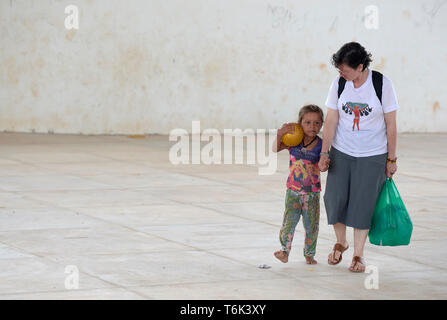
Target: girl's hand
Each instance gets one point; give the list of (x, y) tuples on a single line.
[(324, 163), (286, 128), (391, 169)]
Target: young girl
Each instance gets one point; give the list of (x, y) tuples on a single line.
[(303, 184)]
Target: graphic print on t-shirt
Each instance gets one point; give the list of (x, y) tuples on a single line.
[(358, 109)]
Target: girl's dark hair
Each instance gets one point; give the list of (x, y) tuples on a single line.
[(352, 54), (310, 108)]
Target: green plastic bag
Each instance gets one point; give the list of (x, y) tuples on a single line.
[(391, 224)]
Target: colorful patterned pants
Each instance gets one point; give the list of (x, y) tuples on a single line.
[(297, 205)]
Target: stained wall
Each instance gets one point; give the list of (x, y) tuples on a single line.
[(140, 66)]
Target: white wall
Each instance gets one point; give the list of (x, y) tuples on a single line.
[(149, 66)]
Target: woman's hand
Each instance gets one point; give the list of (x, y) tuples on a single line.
[(324, 163), (391, 169)]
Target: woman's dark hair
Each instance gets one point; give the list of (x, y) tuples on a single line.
[(352, 54)]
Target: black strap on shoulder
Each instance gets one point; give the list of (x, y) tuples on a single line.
[(341, 86), (377, 79)]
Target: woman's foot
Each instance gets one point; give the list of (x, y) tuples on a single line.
[(282, 256), (336, 255), (311, 260), (357, 265)]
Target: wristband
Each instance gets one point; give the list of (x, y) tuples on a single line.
[(324, 154), (389, 160)]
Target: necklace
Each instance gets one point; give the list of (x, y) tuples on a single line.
[(306, 145)]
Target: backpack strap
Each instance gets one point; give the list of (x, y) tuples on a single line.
[(341, 86), (377, 79)]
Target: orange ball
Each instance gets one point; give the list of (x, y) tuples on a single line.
[(295, 138)]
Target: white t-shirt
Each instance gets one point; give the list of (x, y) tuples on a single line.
[(361, 129)]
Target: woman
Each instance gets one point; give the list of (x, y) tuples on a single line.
[(360, 127)]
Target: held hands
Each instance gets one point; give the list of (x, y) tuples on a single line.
[(324, 163), (391, 169)]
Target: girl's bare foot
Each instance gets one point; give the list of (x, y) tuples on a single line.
[(311, 260), (282, 256)]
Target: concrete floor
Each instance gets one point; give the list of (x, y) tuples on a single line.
[(138, 227)]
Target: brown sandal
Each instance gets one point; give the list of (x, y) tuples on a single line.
[(356, 260), (337, 247)]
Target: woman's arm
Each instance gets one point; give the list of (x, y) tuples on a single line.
[(391, 133), (328, 135)]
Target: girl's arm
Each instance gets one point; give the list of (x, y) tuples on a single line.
[(328, 135), (277, 144), (391, 133)]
